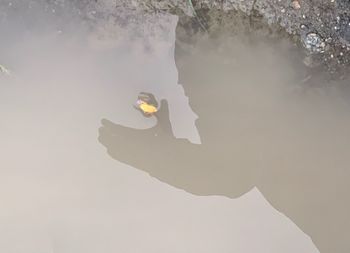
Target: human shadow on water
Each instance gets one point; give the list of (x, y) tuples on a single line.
[(253, 135)]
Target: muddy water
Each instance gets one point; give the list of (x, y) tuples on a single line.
[(61, 192), (261, 125)]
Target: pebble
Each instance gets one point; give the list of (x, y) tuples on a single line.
[(296, 5), (314, 43)]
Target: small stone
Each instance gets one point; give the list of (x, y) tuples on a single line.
[(283, 10), (296, 5), (314, 43)]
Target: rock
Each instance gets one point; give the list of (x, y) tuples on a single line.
[(314, 43), (296, 5)]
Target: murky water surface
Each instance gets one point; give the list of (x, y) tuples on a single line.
[(276, 147), (261, 126)]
